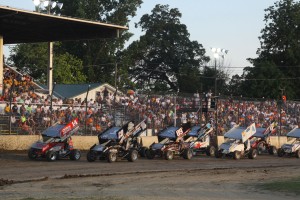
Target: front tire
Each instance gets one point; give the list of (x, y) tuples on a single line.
[(150, 154), (91, 157), (280, 152), (133, 155), (187, 154), (272, 150), (111, 157), (298, 154), (75, 154), (237, 155), (210, 151), (51, 156), (32, 154), (252, 154), (169, 155), (218, 154)]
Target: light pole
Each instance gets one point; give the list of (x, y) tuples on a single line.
[(218, 52), (47, 6)]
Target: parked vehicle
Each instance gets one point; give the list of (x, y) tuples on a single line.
[(117, 143), (261, 140), (237, 144), (202, 143), (57, 143), (292, 149), (168, 148)]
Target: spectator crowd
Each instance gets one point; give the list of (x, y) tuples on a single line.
[(32, 113)]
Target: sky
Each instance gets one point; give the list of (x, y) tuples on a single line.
[(234, 25)]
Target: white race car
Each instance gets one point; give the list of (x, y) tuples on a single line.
[(237, 143)]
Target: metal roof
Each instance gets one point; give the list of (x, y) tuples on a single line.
[(20, 26)]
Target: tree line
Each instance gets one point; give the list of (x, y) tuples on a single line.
[(164, 58)]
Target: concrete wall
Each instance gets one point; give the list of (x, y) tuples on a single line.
[(23, 142)]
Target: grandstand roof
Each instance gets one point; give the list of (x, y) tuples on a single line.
[(20, 26), (72, 90)]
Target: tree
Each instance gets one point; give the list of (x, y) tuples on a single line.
[(32, 60), (279, 54), (98, 57), (164, 57)]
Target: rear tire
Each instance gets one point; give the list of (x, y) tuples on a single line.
[(169, 155), (32, 154), (51, 156), (272, 150), (91, 156), (75, 154), (187, 154), (111, 157), (237, 155), (142, 151), (133, 155), (150, 154), (210, 151), (252, 154), (280, 152)]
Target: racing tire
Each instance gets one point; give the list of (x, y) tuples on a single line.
[(260, 148), (272, 150), (252, 154), (237, 155), (51, 156), (150, 154), (142, 152), (218, 154), (111, 157), (298, 154), (169, 155), (90, 156), (280, 152), (132, 155), (75, 154), (187, 154), (210, 151), (32, 155)]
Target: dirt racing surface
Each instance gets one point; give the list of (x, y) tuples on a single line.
[(200, 178)]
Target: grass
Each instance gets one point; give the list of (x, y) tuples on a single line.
[(291, 186)]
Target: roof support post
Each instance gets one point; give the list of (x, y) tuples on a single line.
[(50, 68), (1, 64)]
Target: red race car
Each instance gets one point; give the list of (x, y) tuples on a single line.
[(57, 143)]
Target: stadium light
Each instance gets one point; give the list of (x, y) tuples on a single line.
[(218, 52)]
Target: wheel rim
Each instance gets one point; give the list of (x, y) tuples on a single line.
[(169, 155), (113, 157), (52, 156), (133, 155), (77, 155)]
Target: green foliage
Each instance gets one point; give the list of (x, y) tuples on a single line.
[(92, 60), (33, 60), (164, 57), (279, 54), (99, 56)]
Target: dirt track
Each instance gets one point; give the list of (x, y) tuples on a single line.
[(200, 178)]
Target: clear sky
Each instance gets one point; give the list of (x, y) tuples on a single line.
[(234, 25)]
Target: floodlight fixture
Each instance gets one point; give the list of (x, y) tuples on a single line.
[(59, 5), (52, 4), (46, 3), (36, 2)]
